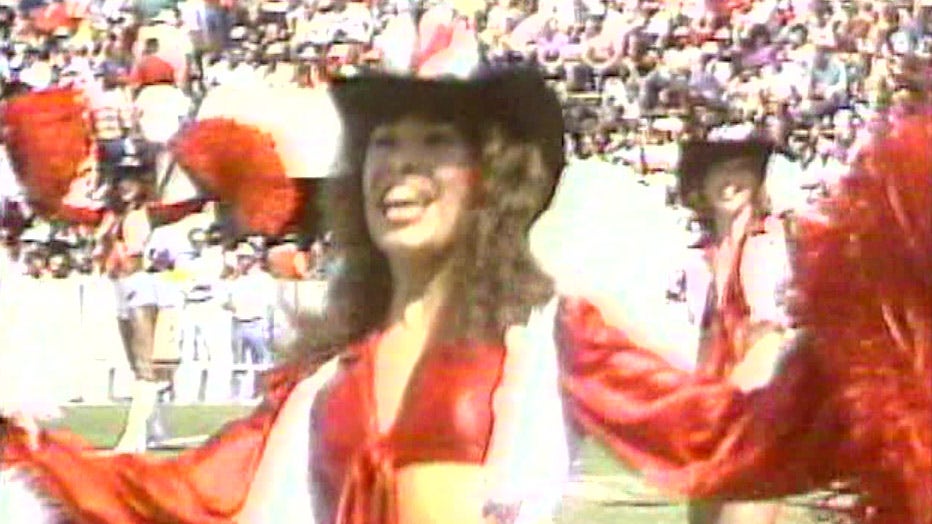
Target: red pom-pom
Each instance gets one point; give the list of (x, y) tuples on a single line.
[(48, 139), (240, 165), (864, 278)]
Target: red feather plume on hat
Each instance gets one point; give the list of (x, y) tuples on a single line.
[(864, 277), (48, 138), (240, 165)]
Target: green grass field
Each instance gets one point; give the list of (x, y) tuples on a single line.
[(611, 494)]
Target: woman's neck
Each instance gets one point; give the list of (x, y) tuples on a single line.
[(731, 227), (420, 291)]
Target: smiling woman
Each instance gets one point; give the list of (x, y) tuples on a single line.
[(439, 183)]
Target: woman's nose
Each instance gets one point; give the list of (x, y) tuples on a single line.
[(408, 161)]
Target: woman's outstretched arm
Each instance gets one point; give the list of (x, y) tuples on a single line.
[(697, 436), (210, 484)]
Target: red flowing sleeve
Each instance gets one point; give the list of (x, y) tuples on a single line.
[(697, 435), (201, 486), (80, 215), (162, 214)]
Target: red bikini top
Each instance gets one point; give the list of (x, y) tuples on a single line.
[(445, 415)]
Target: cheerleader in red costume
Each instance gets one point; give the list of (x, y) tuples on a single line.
[(746, 256), (48, 138), (438, 188), (419, 417), (852, 400), (441, 182)]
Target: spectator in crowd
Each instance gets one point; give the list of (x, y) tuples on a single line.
[(828, 88), (251, 295), (59, 265), (151, 69), (204, 342), (166, 339), (114, 120), (161, 110), (35, 261), (141, 303)]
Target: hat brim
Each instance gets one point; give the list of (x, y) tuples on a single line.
[(697, 158), (516, 101)]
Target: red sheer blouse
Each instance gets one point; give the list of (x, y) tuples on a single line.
[(723, 338), (201, 486)]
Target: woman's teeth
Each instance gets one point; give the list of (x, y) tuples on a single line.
[(403, 204)]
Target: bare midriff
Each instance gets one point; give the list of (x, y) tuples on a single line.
[(448, 492)]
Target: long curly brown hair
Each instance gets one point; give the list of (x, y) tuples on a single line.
[(497, 280)]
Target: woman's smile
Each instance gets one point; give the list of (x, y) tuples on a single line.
[(404, 204)]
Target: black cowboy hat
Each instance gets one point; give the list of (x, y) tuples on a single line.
[(698, 157), (516, 99)]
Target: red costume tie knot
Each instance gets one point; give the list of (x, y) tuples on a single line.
[(369, 495)]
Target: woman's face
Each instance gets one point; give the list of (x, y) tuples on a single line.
[(129, 190), (730, 187), (419, 182)]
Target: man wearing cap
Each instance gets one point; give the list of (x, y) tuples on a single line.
[(250, 298), (743, 324), (232, 70), (151, 69)]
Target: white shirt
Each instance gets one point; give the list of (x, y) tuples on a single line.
[(242, 74), (765, 271), (168, 290), (251, 295), (38, 75), (203, 274), (161, 110), (9, 187)]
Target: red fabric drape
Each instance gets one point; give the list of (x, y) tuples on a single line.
[(80, 215), (698, 436), (202, 486), (724, 344), (161, 214), (694, 434)]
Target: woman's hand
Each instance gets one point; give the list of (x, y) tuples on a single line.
[(27, 418), (761, 361), (28, 425), (610, 241)]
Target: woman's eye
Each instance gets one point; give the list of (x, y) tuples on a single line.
[(382, 141), (440, 138)]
